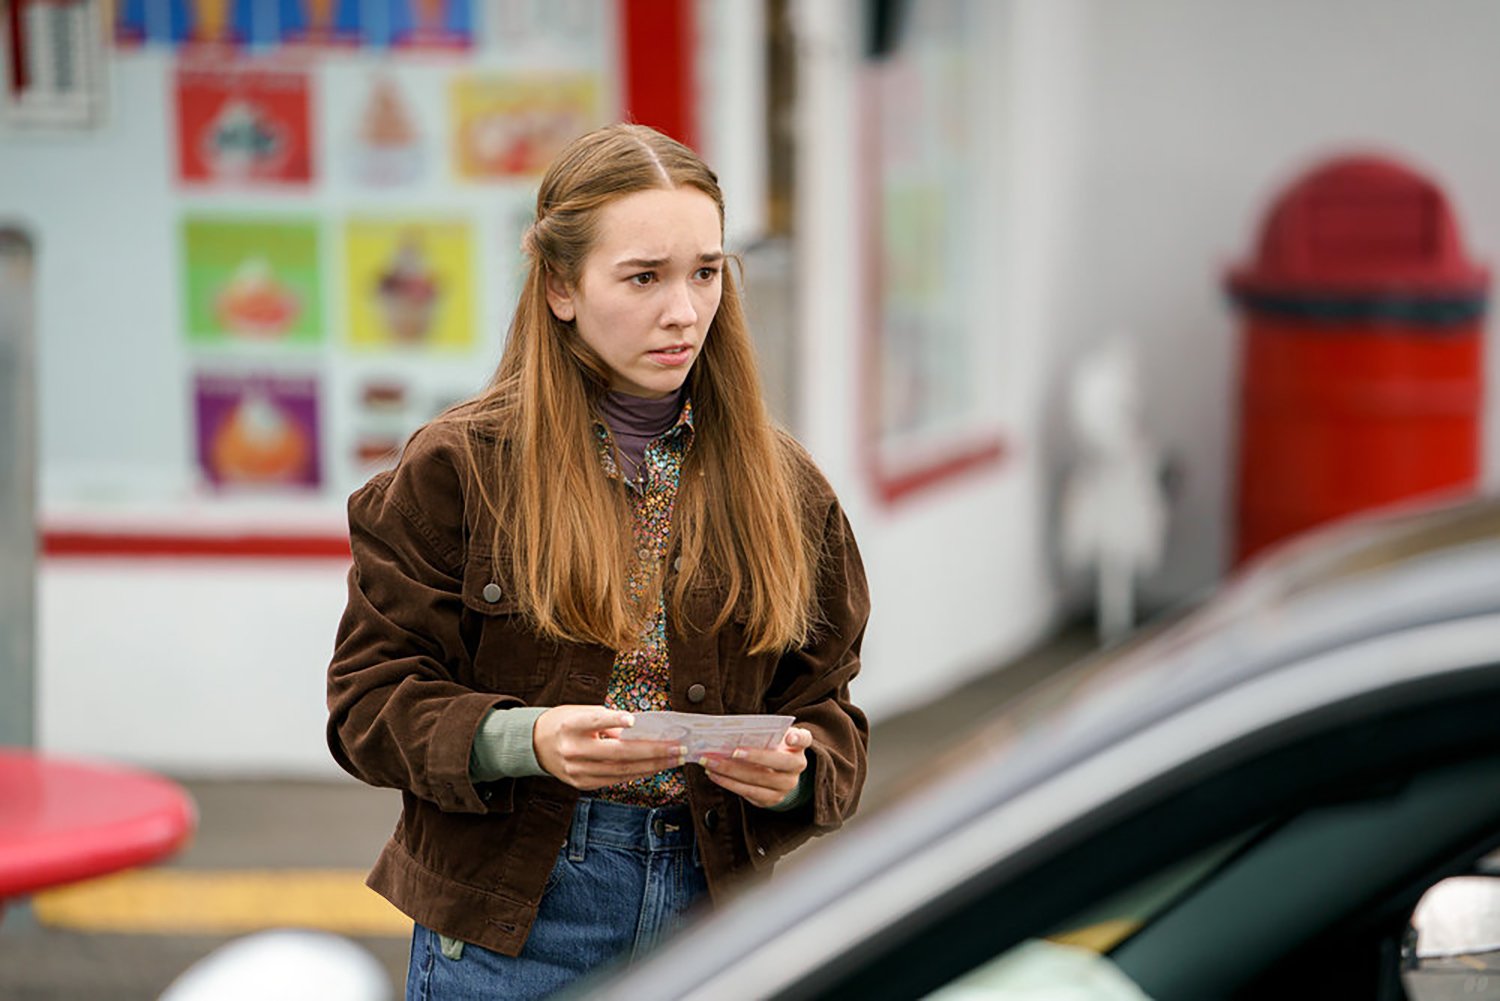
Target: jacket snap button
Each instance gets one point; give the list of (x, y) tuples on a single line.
[(491, 592), (697, 693), (711, 819)]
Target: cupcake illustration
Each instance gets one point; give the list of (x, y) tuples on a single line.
[(259, 443), (407, 291), (254, 304)]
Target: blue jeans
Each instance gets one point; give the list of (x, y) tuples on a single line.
[(620, 883)]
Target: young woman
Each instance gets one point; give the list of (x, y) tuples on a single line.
[(614, 525)]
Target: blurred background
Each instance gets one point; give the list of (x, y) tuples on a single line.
[(1077, 304)]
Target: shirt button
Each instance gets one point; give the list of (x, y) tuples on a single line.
[(644, 702), (696, 693), (491, 592)]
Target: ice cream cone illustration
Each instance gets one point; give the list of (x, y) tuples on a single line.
[(320, 16), (213, 20), (430, 15), (389, 146)]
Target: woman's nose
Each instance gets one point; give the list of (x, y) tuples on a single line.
[(678, 310)]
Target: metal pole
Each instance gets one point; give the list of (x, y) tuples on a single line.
[(17, 491)]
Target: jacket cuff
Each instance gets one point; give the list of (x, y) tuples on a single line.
[(798, 795), (502, 745)]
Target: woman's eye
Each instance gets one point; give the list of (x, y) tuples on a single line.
[(642, 279), (707, 274)]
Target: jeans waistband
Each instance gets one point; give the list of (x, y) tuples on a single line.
[(646, 828)]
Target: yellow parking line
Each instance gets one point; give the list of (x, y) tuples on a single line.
[(215, 901)]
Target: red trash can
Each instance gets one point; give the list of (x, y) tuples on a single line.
[(1361, 364)]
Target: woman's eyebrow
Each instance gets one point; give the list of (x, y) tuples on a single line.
[(650, 263)]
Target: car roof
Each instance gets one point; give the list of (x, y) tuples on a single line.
[(1394, 571)]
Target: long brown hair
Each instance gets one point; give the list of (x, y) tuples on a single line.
[(564, 526)]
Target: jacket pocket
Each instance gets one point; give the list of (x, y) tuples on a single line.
[(507, 654)]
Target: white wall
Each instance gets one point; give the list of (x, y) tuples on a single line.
[(198, 668), (1196, 113), (959, 575), (1146, 139)]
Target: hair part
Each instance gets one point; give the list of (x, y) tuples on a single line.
[(562, 531)]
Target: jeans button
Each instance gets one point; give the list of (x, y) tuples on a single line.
[(696, 693), (659, 827)]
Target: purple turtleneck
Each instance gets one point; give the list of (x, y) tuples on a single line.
[(634, 422)]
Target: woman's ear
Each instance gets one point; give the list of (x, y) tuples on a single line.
[(560, 298)]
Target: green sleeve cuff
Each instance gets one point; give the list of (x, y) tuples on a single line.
[(797, 796), (502, 746)]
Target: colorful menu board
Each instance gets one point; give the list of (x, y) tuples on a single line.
[(409, 284), (266, 24), (347, 220), (511, 126), (242, 125), (258, 431), (251, 280)]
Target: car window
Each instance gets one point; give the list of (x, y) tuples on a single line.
[(1041, 970), (1071, 962), (1107, 924)]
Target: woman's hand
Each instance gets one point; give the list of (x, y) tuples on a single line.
[(765, 778), (581, 745)]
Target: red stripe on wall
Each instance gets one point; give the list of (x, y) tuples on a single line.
[(79, 544), (657, 42), (19, 79), (892, 487)]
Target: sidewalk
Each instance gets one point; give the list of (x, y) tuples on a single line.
[(299, 850)]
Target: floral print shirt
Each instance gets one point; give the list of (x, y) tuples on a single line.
[(641, 679)]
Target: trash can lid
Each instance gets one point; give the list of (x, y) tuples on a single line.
[(1361, 226)]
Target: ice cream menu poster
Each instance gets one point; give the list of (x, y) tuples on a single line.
[(251, 281), (510, 126), (258, 430), (240, 125), (409, 284)]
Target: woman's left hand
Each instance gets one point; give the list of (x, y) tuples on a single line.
[(764, 777)]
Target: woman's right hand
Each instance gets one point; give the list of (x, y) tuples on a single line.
[(581, 745)]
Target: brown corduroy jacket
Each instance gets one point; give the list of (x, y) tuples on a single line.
[(430, 641)]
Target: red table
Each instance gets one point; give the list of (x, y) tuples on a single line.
[(62, 821)]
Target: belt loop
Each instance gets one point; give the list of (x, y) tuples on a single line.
[(578, 836)]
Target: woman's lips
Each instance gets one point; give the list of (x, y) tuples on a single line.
[(673, 356)]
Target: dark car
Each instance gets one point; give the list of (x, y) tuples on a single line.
[(1249, 801)]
